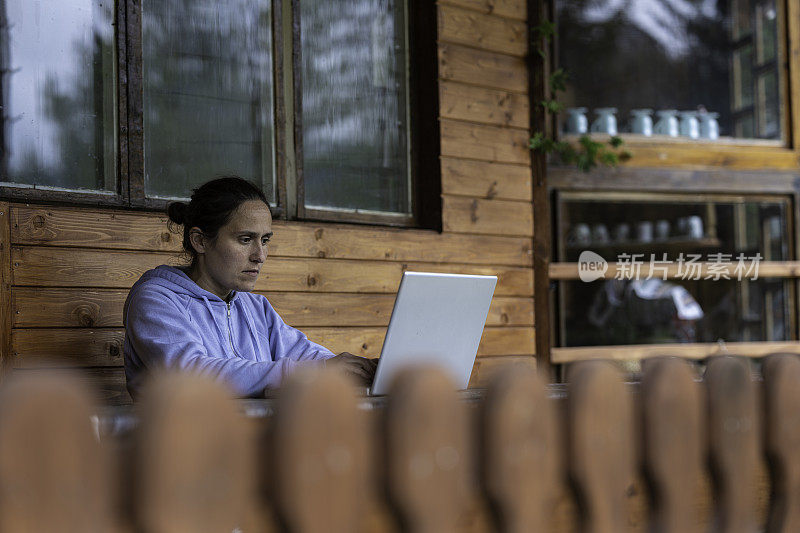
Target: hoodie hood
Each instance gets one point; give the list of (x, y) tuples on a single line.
[(179, 282)]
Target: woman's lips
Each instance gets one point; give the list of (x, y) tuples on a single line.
[(253, 273)]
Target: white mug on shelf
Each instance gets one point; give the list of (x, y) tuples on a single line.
[(690, 126), (642, 122), (576, 120), (605, 122), (709, 127), (667, 123)]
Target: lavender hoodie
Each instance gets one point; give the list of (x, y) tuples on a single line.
[(171, 322)]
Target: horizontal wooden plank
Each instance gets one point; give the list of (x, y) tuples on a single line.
[(70, 226), (292, 239), (368, 341), (688, 351), (491, 217), (486, 367), (107, 384), (64, 308), (462, 26), (484, 179), (711, 155), (482, 68), (71, 267), (78, 307), (479, 104), (516, 9), (36, 348), (488, 143)]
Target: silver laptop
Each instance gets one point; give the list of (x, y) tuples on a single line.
[(437, 320)]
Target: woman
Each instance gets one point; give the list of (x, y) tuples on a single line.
[(203, 318)]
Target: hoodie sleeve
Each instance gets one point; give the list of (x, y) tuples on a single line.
[(286, 342), (161, 335)]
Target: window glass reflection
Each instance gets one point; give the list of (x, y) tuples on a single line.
[(355, 153), (716, 58), (57, 95), (208, 93)]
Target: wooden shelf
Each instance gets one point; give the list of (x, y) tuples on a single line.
[(673, 244)]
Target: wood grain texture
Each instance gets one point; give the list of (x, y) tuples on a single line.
[(673, 444), (322, 454), (334, 241), (482, 68), (782, 442), (516, 340), (491, 217), (484, 179), (485, 368), (5, 289), (466, 27), (601, 447), (77, 307), (519, 458), (67, 267), (516, 9), (195, 459), (45, 308), (688, 351), (733, 437), (36, 348), (488, 143), (700, 155), (54, 474), (426, 452), (478, 104), (68, 226)]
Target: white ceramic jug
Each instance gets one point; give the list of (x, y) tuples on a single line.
[(605, 122)]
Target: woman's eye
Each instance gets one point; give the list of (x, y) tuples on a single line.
[(244, 240), (264, 242)]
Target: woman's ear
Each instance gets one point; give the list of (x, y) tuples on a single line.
[(198, 240)]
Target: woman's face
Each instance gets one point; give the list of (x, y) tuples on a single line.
[(233, 260)]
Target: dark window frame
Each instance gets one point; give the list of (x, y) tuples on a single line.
[(129, 131)]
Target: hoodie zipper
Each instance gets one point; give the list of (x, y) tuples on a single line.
[(230, 330)]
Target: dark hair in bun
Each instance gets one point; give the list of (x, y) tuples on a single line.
[(211, 207)]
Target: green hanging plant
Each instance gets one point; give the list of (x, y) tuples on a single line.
[(588, 153)]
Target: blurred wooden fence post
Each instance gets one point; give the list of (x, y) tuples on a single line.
[(732, 442), (601, 448), (782, 406), (426, 454), (321, 455), (519, 453), (54, 474), (673, 444), (195, 469)]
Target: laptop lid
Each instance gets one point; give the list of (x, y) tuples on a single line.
[(437, 319)]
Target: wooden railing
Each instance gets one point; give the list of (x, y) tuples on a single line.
[(672, 454)]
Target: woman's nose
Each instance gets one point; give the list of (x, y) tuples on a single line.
[(259, 254)]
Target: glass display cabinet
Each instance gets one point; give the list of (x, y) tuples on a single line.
[(726, 300)]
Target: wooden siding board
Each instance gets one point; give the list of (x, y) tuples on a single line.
[(479, 104), (79, 307), (491, 217), (292, 239), (485, 367), (515, 9), (487, 32), (482, 68), (368, 341), (487, 143), (107, 384), (38, 348), (77, 267), (484, 179), (5, 288)]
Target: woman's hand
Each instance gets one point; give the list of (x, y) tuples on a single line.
[(361, 368)]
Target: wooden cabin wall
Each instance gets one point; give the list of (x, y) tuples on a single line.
[(67, 270)]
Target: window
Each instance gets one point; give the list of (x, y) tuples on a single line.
[(308, 99), (679, 62)]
